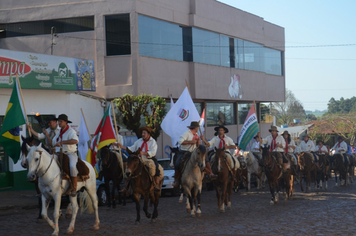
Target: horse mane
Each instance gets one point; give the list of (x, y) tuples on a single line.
[(202, 148)]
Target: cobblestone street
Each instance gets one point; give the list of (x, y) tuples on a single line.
[(330, 212)]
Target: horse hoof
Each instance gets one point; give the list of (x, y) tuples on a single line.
[(55, 234), (192, 215), (188, 210), (68, 216), (222, 211), (271, 202), (153, 220), (69, 231), (229, 208), (148, 216), (137, 222)]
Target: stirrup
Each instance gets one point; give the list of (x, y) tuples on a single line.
[(73, 193)]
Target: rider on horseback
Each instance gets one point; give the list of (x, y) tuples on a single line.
[(67, 139), (148, 147), (276, 144), (49, 133), (188, 142), (290, 147), (340, 148), (308, 146), (221, 141), (256, 149)]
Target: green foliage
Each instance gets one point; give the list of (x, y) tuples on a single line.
[(132, 108), (310, 117), (341, 106)]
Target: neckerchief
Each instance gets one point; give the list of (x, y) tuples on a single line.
[(320, 149), (196, 136), (273, 143), (62, 132), (222, 142), (144, 145), (338, 145)]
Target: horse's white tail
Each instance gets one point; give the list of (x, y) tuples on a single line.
[(85, 202)]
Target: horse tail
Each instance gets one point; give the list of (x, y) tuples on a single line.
[(85, 202)]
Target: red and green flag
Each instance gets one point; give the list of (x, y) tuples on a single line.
[(104, 135), (10, 131), (249, 129)]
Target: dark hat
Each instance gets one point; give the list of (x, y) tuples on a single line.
[(64, 117), (306, 135), (256, 137), (273, 128), (194, 124), (147, 128), (340, 137), (50, 118), (221, 126), (285, 132)]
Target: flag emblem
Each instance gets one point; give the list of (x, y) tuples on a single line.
[(183, 114)]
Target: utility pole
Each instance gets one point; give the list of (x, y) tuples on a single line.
[(53, 30)]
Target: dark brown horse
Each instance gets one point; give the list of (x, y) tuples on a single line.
[(323, 174), (112, 171), (352, 164), (308, 168), (241, 174), (337, 164), (141, 184), (224, 183), (277, 179)]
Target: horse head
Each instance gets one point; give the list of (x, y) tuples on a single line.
[(133, 153), (133, 163), (199, 155), (266, 155), (219, 154), (105, 156), (31, 141), (174, 153), (34, 161)]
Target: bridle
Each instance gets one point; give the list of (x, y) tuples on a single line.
[(38, 166), (140, 173)]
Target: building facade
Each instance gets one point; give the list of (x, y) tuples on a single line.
[(229, 58)]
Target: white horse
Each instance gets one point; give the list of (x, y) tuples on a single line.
[(43, 165), (192, 178), (254, 168)]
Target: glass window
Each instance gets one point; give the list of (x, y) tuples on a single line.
[(243, 110), (253, 56), (206, 47), (117, 32), (160, 39), (67, 25), (220, 114), (225, 50), (273, 61), (239, 53)]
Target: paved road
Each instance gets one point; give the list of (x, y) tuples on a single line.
[(330, 212)]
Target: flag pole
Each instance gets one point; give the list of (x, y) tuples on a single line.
[(259, 126), (86, 125), (23, 104), (186, 84), (117, 133)]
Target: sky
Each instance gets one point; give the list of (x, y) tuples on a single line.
[(320, 41)]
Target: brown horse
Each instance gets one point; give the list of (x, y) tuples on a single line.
[(224, 183), (112, 171), (337, 164), (323, 174), (141, 183), (276, 178), (308, 168)]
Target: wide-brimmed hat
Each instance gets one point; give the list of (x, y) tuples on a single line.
[(64, 117), (285, 132), (273, 128), (147, 128), (50, 118), (193, 124), (221, 126), (306, 135)]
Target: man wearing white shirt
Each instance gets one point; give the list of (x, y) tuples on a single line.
[(276, 143), (341, 148), (148, 149), (308, 145), (49, 133), (67, 139)]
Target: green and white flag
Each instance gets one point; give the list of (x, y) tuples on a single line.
[(10, 131), (249, 129)]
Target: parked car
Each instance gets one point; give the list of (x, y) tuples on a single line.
[(168, 181)]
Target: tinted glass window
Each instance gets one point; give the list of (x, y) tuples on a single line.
[(225, 50), (206, 47), (220, 114), (118, 34), (273, 61), (253, 56), (239, 53), (160, 39)]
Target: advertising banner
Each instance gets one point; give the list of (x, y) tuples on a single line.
[(39, 71)]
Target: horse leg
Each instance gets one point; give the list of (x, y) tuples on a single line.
[(155, 196), (136, 198), (57, 206), (218, 195), (229, 192), (223, 198), (335, 178), (107, 191), (94, 199), (301, 181), (113, 194), (69, 211), (73, 201), (39, 218), (248, 180), (145, 205), (198, 199), (45, 205), (271, 189)]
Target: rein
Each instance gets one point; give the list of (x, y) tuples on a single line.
[(39, 162)]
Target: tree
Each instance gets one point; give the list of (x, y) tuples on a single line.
[(288, 110), (133, 108), (310, 117), (343, 125)]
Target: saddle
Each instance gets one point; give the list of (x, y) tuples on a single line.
[(83, 170), (151, 167), (184, 160), (232, 161)]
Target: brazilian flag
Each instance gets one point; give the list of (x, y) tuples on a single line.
[(14, 117)]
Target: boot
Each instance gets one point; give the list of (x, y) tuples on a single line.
[(74, 186), (156, 184), (210, 173), (177, 175), (285, 167), (100, 177)]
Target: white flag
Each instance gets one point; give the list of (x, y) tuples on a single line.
[(172, 103), (179, 117), (83, 139)]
